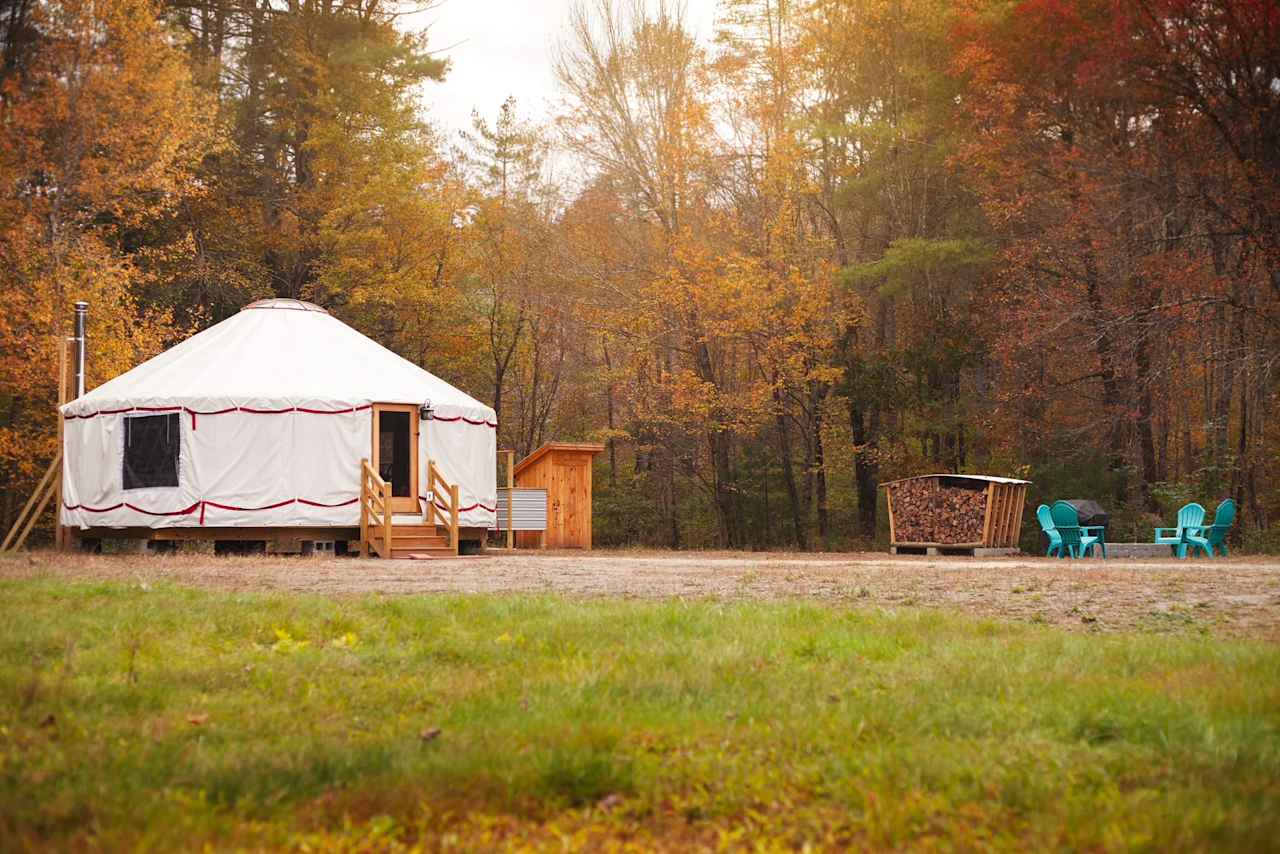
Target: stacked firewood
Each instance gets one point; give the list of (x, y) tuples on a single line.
[(924, 511)]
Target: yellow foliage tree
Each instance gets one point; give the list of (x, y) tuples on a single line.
[(100, 127)]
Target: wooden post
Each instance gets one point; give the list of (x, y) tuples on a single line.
[(453, 516), (986, 520), (511, 494), (1011, 512), (429, 505), (364, 508), (386, 519), (893, 528), (1022, 507), (59, 532)]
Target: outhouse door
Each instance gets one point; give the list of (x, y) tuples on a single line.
[(395, 453), (570, 513)]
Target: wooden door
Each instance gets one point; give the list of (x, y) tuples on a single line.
[(576, 518), (395, 453), (569, 497)]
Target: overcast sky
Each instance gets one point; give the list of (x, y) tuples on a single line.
[(498, 48)]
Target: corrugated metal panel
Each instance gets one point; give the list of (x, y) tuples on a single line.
[(529, 506)]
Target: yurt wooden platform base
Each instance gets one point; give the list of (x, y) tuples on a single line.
[(955, 514)]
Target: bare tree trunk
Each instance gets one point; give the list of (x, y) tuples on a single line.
[(798, 528), (718, 444), (613, 449), (865, 428), (1146, 439), (820, 472), (1111, 398), (673, 516), (806, 482)]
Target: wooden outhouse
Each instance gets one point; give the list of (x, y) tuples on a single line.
[(563, 469)]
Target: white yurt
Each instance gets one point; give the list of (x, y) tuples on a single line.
[(262, 421)]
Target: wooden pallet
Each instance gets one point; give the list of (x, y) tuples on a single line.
[(943, 550)]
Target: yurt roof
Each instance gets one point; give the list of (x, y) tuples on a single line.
[(278, 353)]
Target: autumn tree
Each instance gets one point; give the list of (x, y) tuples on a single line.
[(634, 76), (843, 241), (513, 270), (772, 186), (877, 125), (320, 102), (102, 128), (1124, 176)]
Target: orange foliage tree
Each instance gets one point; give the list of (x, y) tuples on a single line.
[(101, 129), (1123, 157)]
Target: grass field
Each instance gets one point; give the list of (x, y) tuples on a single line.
[(156, 716)]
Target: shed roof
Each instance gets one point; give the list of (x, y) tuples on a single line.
[(986, 478), (585, 447)]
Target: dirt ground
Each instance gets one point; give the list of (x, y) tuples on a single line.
[(1237, 597)]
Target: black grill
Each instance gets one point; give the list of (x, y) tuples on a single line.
[(1090, 512)]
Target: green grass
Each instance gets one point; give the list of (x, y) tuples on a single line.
[(595, 723)]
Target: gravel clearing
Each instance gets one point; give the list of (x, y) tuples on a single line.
[(1236, 597)]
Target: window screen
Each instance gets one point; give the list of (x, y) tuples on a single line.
[(151, 451)]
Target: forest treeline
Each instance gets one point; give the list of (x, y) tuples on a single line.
[(846, 241)]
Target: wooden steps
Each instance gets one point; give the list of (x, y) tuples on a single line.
[(434, 535), (402, 549), (412, 540)]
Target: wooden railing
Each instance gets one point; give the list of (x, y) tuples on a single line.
[(375, 510), (376, 518), (448, 493)]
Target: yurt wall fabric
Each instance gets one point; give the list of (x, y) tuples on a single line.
[(275, 414), (454, 445)]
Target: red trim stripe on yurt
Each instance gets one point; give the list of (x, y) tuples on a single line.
[(445, 509), (468, 420), (70, 416), (204, 503)]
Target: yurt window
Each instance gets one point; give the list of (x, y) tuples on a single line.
[(151, 451)]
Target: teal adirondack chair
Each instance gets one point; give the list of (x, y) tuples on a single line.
[(1076, 541), (1190, 517), (1046, 525), (1206, 539)]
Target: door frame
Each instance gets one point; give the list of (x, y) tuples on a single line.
[(410, 503)]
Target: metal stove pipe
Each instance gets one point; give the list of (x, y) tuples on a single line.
[(82, 309)]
